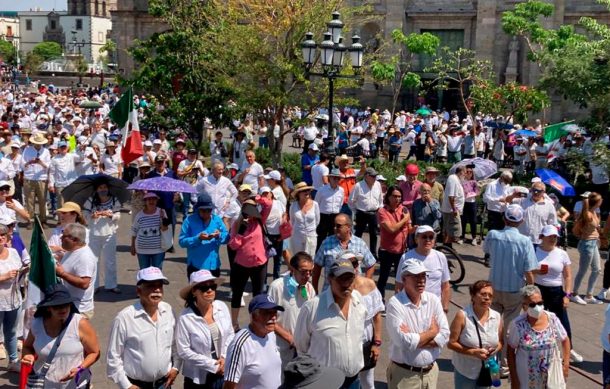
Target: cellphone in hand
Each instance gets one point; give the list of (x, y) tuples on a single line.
[(9, 198)]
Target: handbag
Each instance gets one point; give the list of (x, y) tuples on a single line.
[(36, 380), (369, 362), (484, 378), (285, 230), (213, 380), (555, 378), (167, 237), (268, 244)]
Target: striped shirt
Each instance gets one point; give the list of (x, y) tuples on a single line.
[(146, 229), (253, 362)]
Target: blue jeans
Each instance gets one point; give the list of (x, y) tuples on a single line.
[(351, 383), (148, 260), (589, 256), (186, 203), (606, 367), (9, 329), (462, 382)]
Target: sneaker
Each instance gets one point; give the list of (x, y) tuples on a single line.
[(245, 294), (578, 300), (14, 366), (504, 372), (2, 351), (575, 357), (593, 300), (474, 242), (460, 241), (601, 295), (243, 303)]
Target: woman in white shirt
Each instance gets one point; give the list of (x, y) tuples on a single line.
[(276, 217), (203, 332), (476, 335), (70, 212), (111, 161), (305, 217)]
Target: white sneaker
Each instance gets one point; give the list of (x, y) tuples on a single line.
[(243, 303), (578, 300), (474, 242), (593, 300), (575, 357), (245, 294), (14, 367), (460, 241), (601, 295)]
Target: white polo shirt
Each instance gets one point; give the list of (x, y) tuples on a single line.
[(82, 263)]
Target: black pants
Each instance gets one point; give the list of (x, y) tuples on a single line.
[(239, 279), (326, 228), (393, 155), (469, 216), (553, 301), (386, 261), (606, 277), (213, 381), (367, 221), (278, 243), (379, 144), (495, 220), (190, 269), (412, 152)]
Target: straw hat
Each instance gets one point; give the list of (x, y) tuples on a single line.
[(340, 158), (300, 187), (197, 278), (38, 139)]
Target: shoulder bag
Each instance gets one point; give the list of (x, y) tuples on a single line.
[(484, 378), (167, 236), (555, 378), (36, 380)]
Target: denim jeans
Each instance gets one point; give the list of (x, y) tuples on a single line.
[(148, 260), (589, 256), (9, 329), (606, 367), (462, 382)]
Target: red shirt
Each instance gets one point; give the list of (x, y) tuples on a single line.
[(410, 193), (347, 181), (177, 157), (394, 243)]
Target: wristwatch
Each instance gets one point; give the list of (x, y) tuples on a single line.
[(377, 342)]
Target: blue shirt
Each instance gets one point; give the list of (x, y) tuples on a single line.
[(308, 160), (511, 255), (331, 248), (202, 254)]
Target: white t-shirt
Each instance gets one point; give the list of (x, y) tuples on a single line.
[(453, 188), (256, 170), (81, 263), (557, 260), (310, 133), (438, 270), (318, 172), (10, 298)]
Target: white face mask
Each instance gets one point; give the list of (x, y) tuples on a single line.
[(536, 311)]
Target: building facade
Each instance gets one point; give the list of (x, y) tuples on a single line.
[(9, 28)]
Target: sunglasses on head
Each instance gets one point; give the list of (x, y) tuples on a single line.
[(205, 288), (532, 304)]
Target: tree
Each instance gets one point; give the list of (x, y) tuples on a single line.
[(8, 53), (110, 49), (48, 50), (32, 62), (511, 99), (396, 70)]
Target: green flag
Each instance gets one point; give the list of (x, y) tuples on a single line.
[(122, 109), (555, 131), (42, 267)]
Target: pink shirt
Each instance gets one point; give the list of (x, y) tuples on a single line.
[(250, 246), (410, 193), (393, 242)]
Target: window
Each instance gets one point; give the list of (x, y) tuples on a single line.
[(53, 24), (9, 30), (28, 24), (79, 24), (454, 39), (97, 7), (100, 37)]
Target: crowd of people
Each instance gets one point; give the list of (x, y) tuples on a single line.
[(321, 314)]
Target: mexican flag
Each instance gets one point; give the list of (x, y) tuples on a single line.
[(42, 268), (125, 116), (555, 131)]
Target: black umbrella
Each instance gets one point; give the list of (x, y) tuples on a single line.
[(84, 187), (90, 104)]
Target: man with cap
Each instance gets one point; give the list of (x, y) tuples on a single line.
[(253, 359), (330, 327), (218, 187), (495, 198), (330, 200), (364, 201), (78, 267), (512, 260), (63, 170), (538, 211), (417, 328), (141, 350), (436, 187), (410, 187), (202, 234), (35, 165)]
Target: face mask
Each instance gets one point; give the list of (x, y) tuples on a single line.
[(536, 311), (102, 193), (292, 285)]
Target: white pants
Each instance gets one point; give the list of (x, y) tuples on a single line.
[(105, 248), (367, 379), (302, 242)]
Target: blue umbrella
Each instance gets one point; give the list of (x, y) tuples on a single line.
[(500, 125), (526, 133), (163, 184), (557, 182)]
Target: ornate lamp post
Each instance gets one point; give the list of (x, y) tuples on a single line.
[(76, 45), (331, 54)]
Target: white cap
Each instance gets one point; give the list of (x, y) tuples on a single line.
[(423, 229), (233, 166), (151, 274), (157, 142), (16, 144), (412, 266), (200, 276), (401, 178), (536, 179), (314, 147), (82, 139), (264, 189), (514, 213), (549, 230), (274, 175), (348, 255), (6, 219), (147, 143), (380, 178), (4, 183)]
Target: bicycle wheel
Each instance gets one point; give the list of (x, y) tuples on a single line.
[(455, 263)]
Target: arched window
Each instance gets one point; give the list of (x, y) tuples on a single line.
[(104, 9), (97, 8), (85, 7)]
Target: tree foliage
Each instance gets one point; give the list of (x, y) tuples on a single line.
[(8, 53), (396, 70), (32, 62), (48, 50), (511, 100)]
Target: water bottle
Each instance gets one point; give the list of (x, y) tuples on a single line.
[(494, 371)]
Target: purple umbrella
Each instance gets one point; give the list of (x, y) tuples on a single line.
[(162, 184)]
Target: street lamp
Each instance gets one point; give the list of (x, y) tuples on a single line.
[(332, 53), (76, 45)]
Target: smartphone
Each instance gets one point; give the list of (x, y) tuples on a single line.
[(9, 198)]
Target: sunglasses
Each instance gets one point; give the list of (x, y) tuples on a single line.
[(205, 288), (339, 225), (532, 304), (427, 237), (538, 191)]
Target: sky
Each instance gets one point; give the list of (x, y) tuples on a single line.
[(25, 5)]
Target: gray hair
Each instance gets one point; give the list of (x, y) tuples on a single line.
[(529, 290), (78, 231), (218, 163), (3, 229), (507, 174)]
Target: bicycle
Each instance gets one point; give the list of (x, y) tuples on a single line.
[(454, 262)]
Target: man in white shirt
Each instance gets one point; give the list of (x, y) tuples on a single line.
[(63, 171), (78, 267), (455, 139), (418, 331), (495, 200), (35, 165), (141, 349), (364, 201), (330, 328), (252, 172), (309, 135), (319, 173), (330, 200), (452, 205), (253, 359), (220, 188), (538, 211)]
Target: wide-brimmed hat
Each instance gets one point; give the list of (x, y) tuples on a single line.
[(300, 187), (249, 209), (342, 157), (197, 278), (305, 372), (70, 206), (150, 195), (39, 139), (54, 296)]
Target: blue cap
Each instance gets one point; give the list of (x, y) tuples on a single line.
[(62, 144), (263, 301), (204, 201)]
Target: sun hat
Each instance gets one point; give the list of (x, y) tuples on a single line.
[(144, 164), (263, 301), (549, 230), (423, 229), (300, 187), (244, 187), (342, 157), (314, 147), (39, 139), (432, 169), (305, 372), (149, 274), (514, 213), (273, 175), (340, 267), (70, 206), (54, 296), (150, 195), (197, 278), (412, 266)]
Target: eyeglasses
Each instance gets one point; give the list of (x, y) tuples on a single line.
[(538, 191), (427, 237), (305, 272), (205, 288), (339, 225), (532, 304), (5, 189)]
